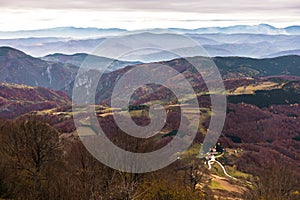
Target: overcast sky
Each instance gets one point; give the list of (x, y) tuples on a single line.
[(141, 14)]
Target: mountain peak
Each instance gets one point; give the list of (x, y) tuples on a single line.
[(267, 26), (11, 52)]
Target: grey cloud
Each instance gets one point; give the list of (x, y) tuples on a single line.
[(198, 6)]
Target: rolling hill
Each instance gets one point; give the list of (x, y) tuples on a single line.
[(16, 100), (20, 68), (59, 74), (231, 68)]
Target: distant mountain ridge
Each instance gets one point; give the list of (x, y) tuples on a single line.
[(250, 29), (76, 32), (72, 32), (284, 53), (95, 62), (216, 44), (18, 68)]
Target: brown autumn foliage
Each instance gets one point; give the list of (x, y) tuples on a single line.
[(277, 181), (37, 164), (31, 157)]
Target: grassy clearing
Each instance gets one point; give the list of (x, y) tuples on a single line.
[(193, 151), (238, 174), (215, 185), (250, 89)]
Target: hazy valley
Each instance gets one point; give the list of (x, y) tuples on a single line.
[(260, 68)]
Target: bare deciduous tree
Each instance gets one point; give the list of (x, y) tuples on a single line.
[(31, 149), (277, 182)]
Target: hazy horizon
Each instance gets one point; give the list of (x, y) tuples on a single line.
[(135, 15), (141, 29)]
